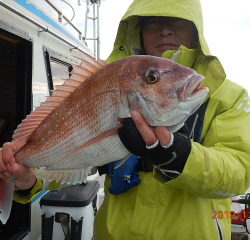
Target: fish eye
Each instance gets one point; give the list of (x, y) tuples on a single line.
[(152, 77)]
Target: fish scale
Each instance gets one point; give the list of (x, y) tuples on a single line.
[(83, 125), (77, 127), (82, 130)]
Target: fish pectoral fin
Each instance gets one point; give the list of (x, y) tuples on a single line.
[(73, 176), (6, 196), (92, 141), (123, 161)]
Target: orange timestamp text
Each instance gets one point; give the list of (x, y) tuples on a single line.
[(226, 214)]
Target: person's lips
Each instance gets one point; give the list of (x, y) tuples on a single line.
[(168, 45)]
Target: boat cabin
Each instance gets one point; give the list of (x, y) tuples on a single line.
[(36, 51)]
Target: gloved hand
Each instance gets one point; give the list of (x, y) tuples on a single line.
[(173, 158)]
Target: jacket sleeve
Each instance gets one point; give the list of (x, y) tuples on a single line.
[(40, 185), (27, 196), (219, 167)]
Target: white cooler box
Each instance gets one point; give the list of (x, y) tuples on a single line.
[(68, 213)]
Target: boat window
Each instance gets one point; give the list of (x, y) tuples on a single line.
[(57, 68), (59, 71)]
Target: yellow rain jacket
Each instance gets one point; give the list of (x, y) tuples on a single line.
[(217, 169)]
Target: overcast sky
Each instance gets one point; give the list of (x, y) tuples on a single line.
[(226, 29)]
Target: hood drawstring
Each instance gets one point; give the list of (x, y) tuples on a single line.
[(122, 47), (174, 56), (191, 136)]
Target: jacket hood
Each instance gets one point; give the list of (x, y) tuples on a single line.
[(128, 37), (199, 59)]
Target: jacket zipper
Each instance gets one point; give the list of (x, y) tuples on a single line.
[(218, 229)]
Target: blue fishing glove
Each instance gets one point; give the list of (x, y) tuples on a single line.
[(172, 158)]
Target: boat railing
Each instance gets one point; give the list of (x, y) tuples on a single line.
[(60, 16)]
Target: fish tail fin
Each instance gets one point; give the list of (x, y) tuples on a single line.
[(6, 196)]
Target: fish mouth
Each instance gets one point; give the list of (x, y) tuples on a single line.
[(192, 89)]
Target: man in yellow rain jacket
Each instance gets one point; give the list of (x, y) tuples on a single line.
[(217, 166)]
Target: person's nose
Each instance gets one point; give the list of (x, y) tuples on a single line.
[(166, 30)]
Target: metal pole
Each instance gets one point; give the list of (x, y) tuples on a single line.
[(98, 30), (94, 33), (86, 20), (60, 16)]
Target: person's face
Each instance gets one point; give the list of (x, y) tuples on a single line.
[(167, 33)]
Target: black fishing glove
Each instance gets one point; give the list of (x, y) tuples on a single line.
[(172, 158)]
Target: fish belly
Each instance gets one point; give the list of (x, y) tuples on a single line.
[(104, 151)]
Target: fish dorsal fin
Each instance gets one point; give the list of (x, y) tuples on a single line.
[(103, 63), (79, 74)]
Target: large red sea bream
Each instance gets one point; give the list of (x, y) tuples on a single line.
[(76, 128)]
